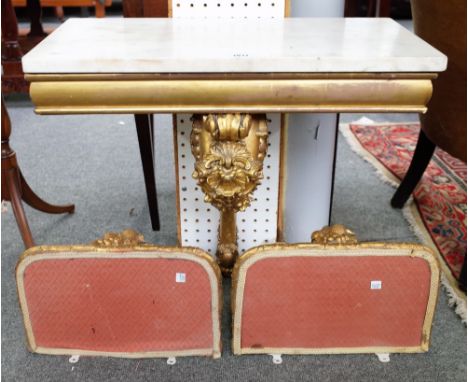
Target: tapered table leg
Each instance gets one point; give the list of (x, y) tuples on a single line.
[(145, 131)]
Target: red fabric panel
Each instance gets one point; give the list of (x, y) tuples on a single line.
[(325, 302), (119, 305)]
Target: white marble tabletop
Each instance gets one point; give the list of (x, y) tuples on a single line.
[(232, 45)]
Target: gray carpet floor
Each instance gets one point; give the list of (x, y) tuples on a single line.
[(93, 161)]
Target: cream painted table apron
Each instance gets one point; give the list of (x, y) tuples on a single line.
[(228, 73)]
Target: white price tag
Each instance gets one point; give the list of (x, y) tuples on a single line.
[(180, 277), (376, 284)]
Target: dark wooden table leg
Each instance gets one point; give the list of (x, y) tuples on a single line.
[(30, 197), (12, 73), (421, 158), (15, 189), (14, 195), (144, 127)]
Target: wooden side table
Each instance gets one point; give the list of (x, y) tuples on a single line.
[(228, 73), (15, 188)]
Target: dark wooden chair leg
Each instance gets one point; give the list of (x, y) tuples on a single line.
[(35, 14), (421, 158), (144, 127), (462, 277)]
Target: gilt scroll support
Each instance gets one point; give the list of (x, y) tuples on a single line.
[(229, 150)]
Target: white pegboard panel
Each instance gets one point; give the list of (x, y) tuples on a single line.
[(228, 8), (199, 220)]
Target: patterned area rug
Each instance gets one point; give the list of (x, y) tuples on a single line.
[(437, 213)]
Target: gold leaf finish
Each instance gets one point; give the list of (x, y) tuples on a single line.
[(231, 93), (125, 239), (335, 234), (229, 150)]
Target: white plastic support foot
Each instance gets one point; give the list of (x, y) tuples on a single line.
[(277, 360), (74, 359), (171, 361), (383, 357)]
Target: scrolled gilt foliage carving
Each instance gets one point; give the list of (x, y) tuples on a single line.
[(229, 150), (335, 234), (125, 239)]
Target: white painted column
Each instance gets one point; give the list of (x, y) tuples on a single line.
[(310, 152)]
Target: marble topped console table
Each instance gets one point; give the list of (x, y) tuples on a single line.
[(229, 73)]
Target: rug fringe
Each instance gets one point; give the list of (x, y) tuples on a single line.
[(454, 301), (456, 298)]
